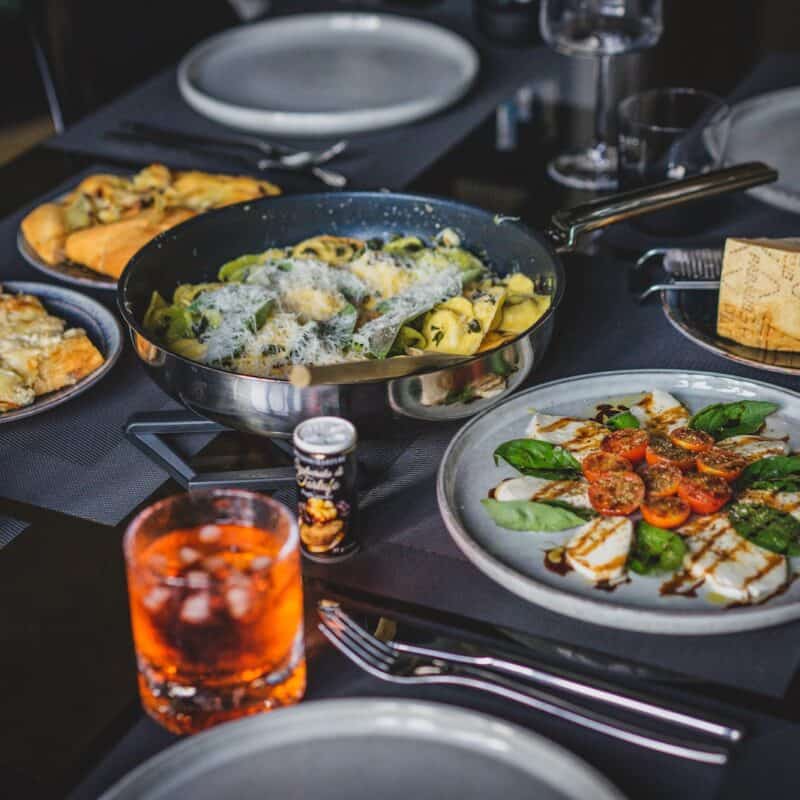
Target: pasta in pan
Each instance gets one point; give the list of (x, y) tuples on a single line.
[(331, 299)]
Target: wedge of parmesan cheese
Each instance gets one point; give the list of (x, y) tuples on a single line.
[(759, 294)]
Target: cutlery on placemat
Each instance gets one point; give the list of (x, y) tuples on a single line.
[(676, 268), (280, 156), (291, 156), (401, 663)]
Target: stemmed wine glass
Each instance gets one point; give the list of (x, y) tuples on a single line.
[(597, 29)]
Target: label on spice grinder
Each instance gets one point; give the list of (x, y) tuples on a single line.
[(325, 465)]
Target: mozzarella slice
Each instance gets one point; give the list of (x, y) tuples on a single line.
[(659, 412), (783, 501), (752, 448), (574, 492), (731, 565), (580, 436), (599, 549)]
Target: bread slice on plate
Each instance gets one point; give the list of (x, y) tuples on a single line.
[(38, 354)]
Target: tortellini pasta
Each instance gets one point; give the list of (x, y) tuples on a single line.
[(332, 298)]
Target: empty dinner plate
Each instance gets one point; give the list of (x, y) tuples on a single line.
[(326, 74), (363, 749)]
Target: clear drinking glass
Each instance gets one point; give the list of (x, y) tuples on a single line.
[(666, 134), (597, 29), (216, 607)]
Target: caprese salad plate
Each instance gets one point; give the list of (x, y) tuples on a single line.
[(658, 501)]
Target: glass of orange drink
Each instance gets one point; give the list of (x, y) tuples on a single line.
[(216, 604)]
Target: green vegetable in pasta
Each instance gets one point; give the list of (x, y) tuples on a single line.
[(237, 270), (157, 303), (404, 245), (407, 337)]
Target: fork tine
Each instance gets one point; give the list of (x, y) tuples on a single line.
[(364, 635), (347, 650), (344, 636)]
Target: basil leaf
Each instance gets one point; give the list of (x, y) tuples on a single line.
[(583, 513), (655, 550), (767, 527), (723, 420), (621, 421), (538, 459), (527, 515), (779, 473)]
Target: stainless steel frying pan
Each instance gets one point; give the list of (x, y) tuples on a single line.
[(193, 252)]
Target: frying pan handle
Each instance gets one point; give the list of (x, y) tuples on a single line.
[(568, 225)]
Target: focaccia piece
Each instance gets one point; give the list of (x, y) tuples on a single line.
[(14, 391), (107, 218), (65, 363), (108, 248), (46, 231), (203, 190)]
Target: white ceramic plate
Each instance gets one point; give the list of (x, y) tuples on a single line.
[(363, 749), (79, 311), (327, 74), (515, 560), (764, 128)]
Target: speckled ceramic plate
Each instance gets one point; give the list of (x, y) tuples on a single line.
[(66, 270), (327, 74), (694, 314), (79, 311), (363, 749), (515, 560)]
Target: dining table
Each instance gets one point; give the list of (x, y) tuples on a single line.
[(70, 480)]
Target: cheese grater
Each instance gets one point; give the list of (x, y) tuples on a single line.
[(676, 268)]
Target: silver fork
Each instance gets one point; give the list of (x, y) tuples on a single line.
[(387, 663)]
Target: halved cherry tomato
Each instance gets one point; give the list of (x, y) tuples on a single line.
[(665, 512), (722, 463), (616, 493), (705, 494), (660, 480), (690, 439), (629, 443), (662, 451), (595, 464)]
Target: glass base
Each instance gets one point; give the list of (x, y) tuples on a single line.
[(594, 168), (186, 709)]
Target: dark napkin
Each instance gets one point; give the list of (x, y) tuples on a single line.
[(75, 457), (383, 159), (737, 214)]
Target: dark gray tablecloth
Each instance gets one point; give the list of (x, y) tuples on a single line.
[(382, 159)]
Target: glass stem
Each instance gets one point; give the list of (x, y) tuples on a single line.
[(601, 109)]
